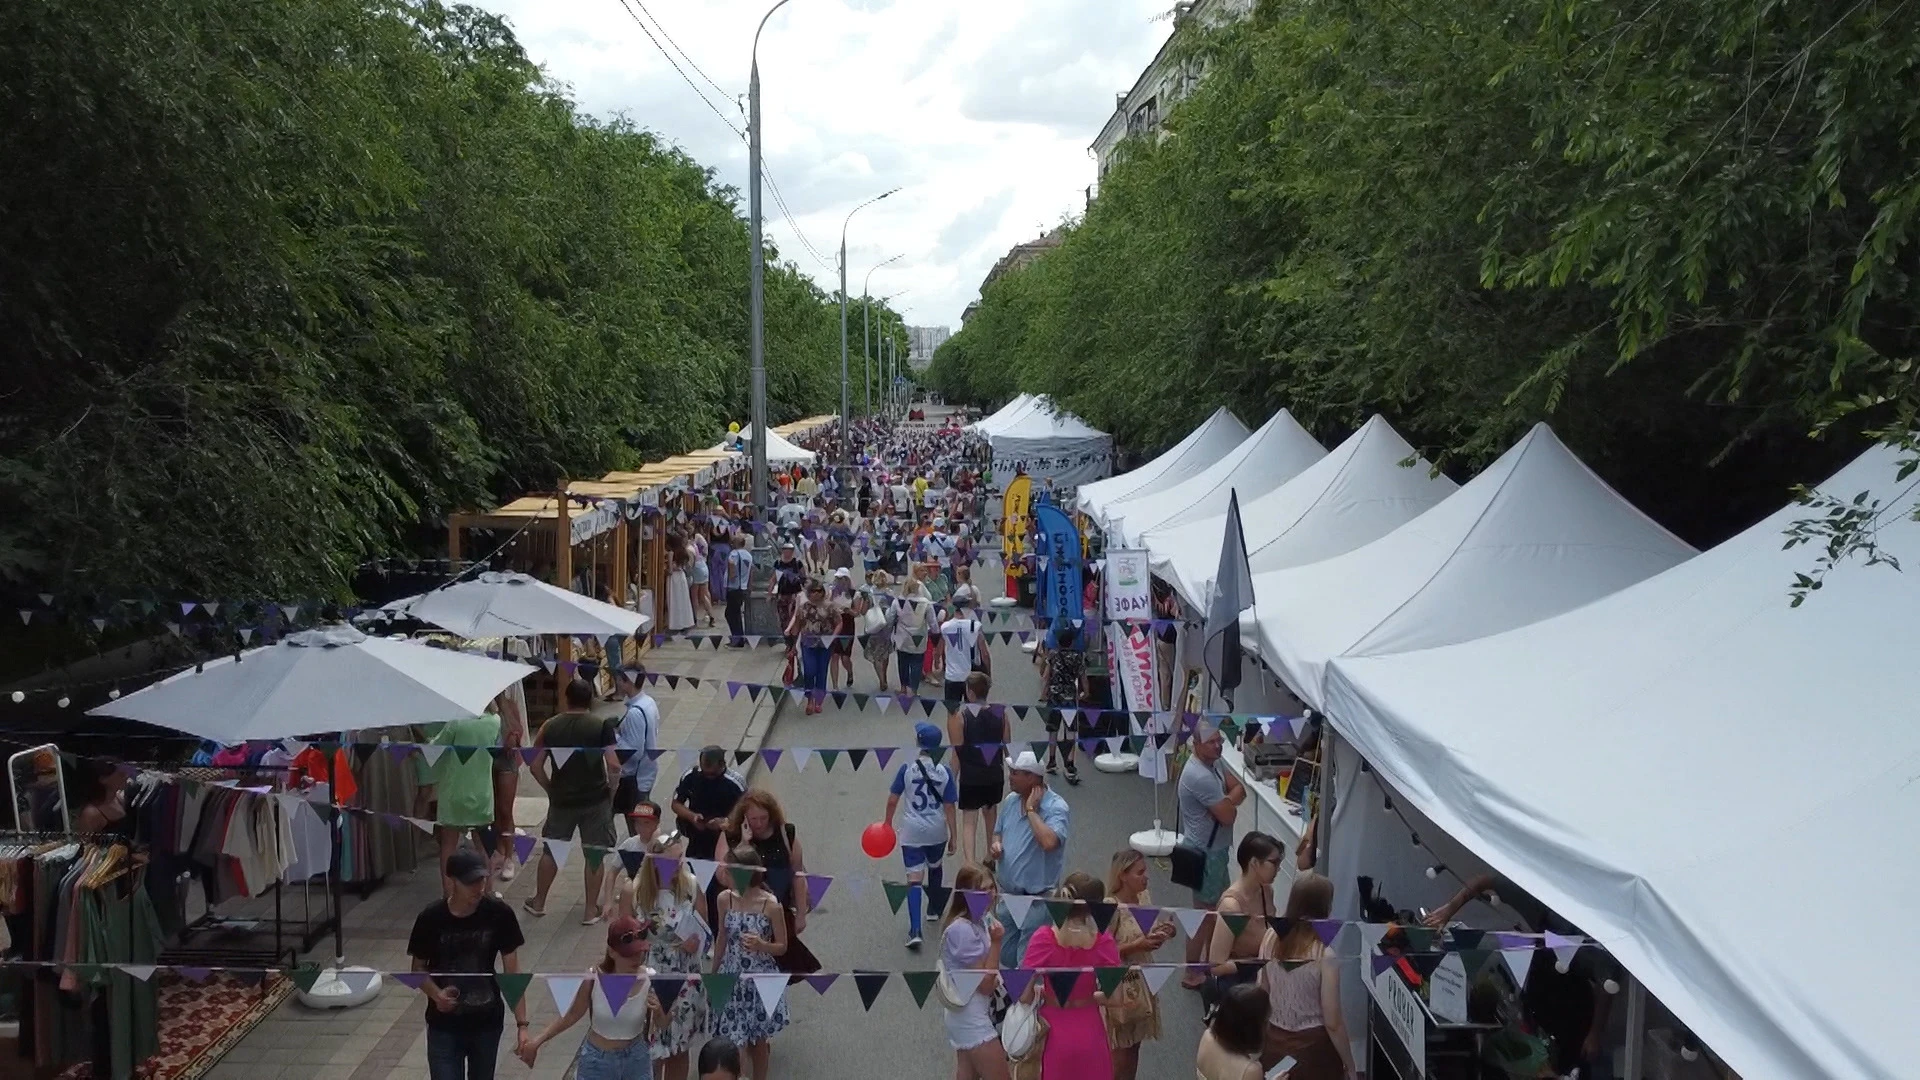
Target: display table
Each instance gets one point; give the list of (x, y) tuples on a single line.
[(1265, 811)]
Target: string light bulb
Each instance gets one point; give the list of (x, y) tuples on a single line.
[(1415, 837), (1434, 871), (1388, 805), (19, 696), (64, 702), (113, 694), (1610, 986), (1563, 965)]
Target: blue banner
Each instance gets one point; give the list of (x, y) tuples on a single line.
[(1060, 594)]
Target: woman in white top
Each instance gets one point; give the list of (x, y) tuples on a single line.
[(677, 933), (970, 945), (1302, 981), (616, 1047), (679, 594), (912, 614)]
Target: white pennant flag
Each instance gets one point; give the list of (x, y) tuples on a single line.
[(703, 871), (564, 989), (799, 755), (1157, 975), (1519, 962), (356, 980), (432, 752), (292, 612), (882, 700), (689, 759), (966, 982), (422, 824), (560, 755), (1190, 919), (559, 849), (1113, 744), (770, 987), (143, 972), (1019, 907)]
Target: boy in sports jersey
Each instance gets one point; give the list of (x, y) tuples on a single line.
[(927, 831)]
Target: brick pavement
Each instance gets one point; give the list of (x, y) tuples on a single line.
[(385, 1039)]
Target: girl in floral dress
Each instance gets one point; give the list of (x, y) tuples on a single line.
[(677, 936), (752, 936)]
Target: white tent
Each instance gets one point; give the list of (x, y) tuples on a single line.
[(1052, 447), (778, 449), (1204, 445), (492, 604), (1691, 768), (1263, 461), (1534, 535), (1359, 492), (1011, 411)]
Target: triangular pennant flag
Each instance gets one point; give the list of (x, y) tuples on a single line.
[(896, 892), (905, 701), (936, 754), (1017, 980), (1108, 978), (719, 989), (432, 753), (1327, 930), (1058, 911), (1103, 914), (929, 704), (1465, 938), (357, 980), (413, 979), (560, 754), (464, 753), (741, 757), (530, 754), (143, 972), (821, 982), (1062, 983), (559, 849), (800, 756), (305, 976), (1190, 919), (869, 983), (1020, 711), (669, 988), (741, 878), (1157, 975), (817, 886), (666, 866), (883, 755), (1564, 948), (1020, 907), (860, 700), (938, 896), (564, 989), (920, 984), (617, 988), (1144, 917), (770, 755), (966, 982), (881, 701), (857, 757), (703, 871), (976, 903), (513, 986), (827, 758), (630, 861), (753, 692), (771, 988), (1236, 924), (523, 846), (1381, 962), (733, 689)]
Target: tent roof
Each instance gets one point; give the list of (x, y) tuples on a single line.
[(1012, 410), (1204, 445), (1650, 765), (1534, 535), (1040, 422), (1263, 461), (778, 449), (1358, 492)]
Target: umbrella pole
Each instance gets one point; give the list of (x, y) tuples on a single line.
[(339, 894)]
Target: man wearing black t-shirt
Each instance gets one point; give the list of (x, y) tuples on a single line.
[(457, 940), (705, 796)]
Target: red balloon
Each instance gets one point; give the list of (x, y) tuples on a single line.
[(877, 840)]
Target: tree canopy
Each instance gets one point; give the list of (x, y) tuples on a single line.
[(1680, 232), (281, 282)]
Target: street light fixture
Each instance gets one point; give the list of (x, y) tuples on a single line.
[(846, 462), (756, 286), (866, 328)]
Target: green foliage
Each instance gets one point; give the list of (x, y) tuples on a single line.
[(1680, 232), (281, 281)]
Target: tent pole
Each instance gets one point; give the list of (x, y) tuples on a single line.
[(1635, 1065)]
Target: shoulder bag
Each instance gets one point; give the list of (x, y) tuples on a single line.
[(1024, 1034), (1190, 860)]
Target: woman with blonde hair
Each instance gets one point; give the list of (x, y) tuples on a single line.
[(876, 637), (616, 1047), (1302, 982), (677, 938), (1076, 1047), (1133, 1012), (969, 944), (912, 615)]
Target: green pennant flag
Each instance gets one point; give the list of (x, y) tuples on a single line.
[(1059, 910), (1420, 939), (1230, 728), (719, 989), (1135, 744), (921, 983), (595, 855), (1475, 961), (305, 976), (860, 701), (513, 986), (856, 756), (937, 753), (896, 893), (1109, 978), (464, 753), (742, 878), (827, 758), (1237, 924)]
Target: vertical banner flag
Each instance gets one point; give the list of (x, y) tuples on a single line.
[(1062, 596), (1232, 594), (1134, 670), (1015, 507), (1129, 592)]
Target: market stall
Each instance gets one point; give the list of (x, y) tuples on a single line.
[(1214, 439), (1057, 449), (779, 450), (1264, 460), (999, 418)]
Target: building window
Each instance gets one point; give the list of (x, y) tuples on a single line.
[(1145, 118)]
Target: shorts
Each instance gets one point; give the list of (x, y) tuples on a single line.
[(506, 759), (982, 795), (1050, 718), (628, 796), (918, 855), (956, 691), (1213, 881), (595, 823)]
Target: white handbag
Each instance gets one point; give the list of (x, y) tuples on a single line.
[(950, 995), (1023, 1032)]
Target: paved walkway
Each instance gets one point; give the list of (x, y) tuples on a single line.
[(385, 1039)]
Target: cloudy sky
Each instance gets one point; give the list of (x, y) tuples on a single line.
[(981, 111)]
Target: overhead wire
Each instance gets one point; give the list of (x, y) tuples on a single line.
[(662, 27), (691, 85)]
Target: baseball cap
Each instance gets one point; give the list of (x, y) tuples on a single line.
[(926, 735), (843, 572), (627, 937), (466, 867), (1028, 763)]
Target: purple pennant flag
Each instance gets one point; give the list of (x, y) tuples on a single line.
[(666, 866), (1017, 980), (393, 819), (412, 980), (976, 903), (733, 689), (618, 989), (399, 750), (1516, 941), (821, 982), (770, 755), (1326, 930), (523, 846), (883, 754), (817, 886), (200, 974), (905, 701), (1382, 962), (530, 754), (1145, 917), (654, 753)]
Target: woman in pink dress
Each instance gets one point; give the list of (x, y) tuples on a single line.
[(1077, 1037)]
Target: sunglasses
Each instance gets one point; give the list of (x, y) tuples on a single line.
[(630, 937)]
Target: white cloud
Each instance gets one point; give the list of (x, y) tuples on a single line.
[(981, 111)]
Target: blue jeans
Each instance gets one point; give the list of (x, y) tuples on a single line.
[(910, 667), (462, 1053), (813, 670), (634, 1062)]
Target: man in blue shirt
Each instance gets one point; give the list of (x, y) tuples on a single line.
[(639, 732), (927, 832), (739, 584), (1030, 842)]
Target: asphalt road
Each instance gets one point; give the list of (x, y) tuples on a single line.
[(831, 1036)]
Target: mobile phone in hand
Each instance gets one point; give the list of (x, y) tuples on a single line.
[(1280, 1068)]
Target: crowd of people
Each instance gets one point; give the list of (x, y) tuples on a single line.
[(905, 524)]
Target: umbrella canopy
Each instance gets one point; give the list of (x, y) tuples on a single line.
[(517, 605), (327, 679)]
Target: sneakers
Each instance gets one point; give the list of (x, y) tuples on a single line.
[(1073, 774), (914, 943), (1052, 768), (507, 870)]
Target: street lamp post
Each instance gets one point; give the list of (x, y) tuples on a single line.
[(866, 329), (846, 461), (756, 285)]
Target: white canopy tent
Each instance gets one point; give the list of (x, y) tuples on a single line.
[(1052, 447), (494, 604), (1534, 535), (1011, 411), (778, 449), (1653, 765), (1358, 492), (1204, 445), (1264, 460)]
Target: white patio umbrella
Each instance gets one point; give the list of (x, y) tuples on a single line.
[(496, 604), (327, 679)]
